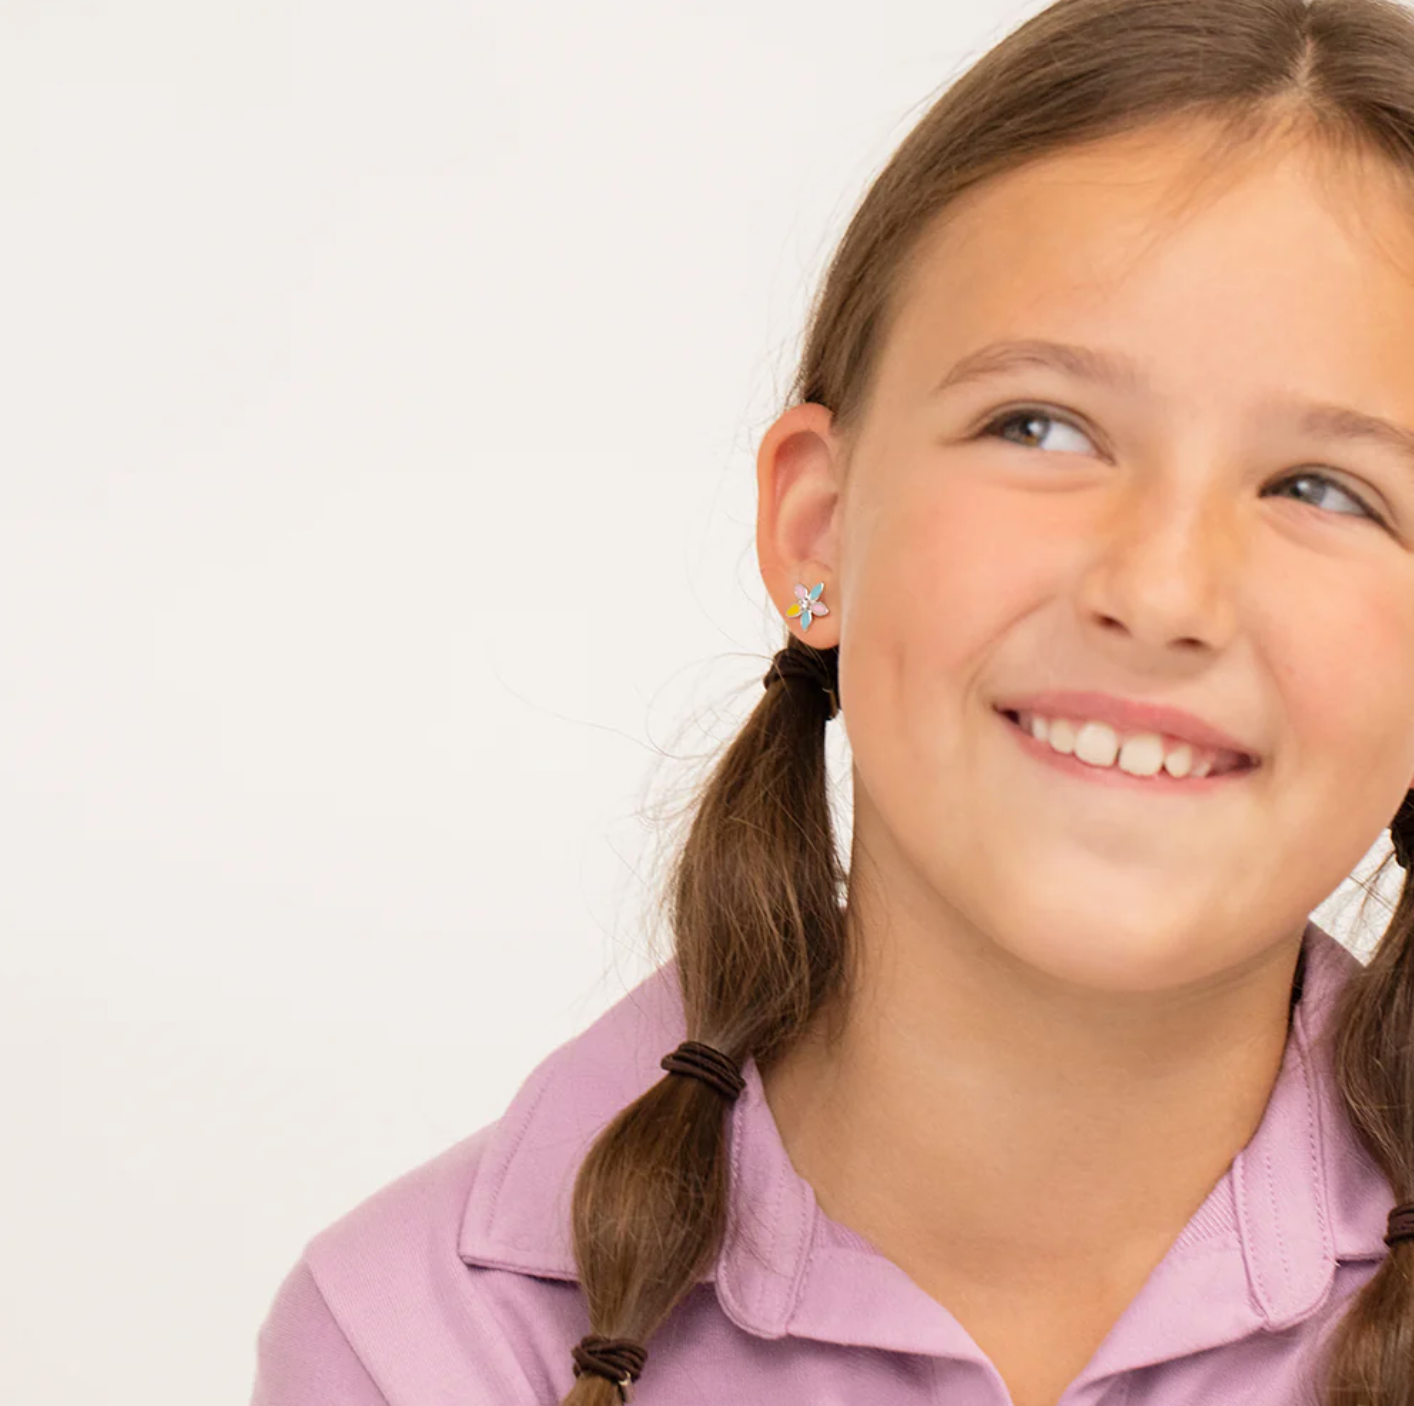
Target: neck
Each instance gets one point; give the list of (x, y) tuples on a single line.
[(967, 1113)]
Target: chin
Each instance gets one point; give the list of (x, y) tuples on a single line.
[(1093, 951)]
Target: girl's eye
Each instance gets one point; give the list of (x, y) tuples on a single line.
[(1325, 481), (1029, 415), (1033, 415)]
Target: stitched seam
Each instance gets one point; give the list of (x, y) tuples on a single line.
[(808, 1222), (726, 1285), (516, 1140), (1247, 1229), (1276, 1221), (767, 1280), (1314, 1138), (810, 1248)]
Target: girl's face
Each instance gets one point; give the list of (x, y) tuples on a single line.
[(1176, 533)]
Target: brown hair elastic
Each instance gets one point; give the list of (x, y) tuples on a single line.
[(1401, 1224), (618, 1360), (817, 667), (699, 1061)]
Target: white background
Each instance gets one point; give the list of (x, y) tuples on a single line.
[(380, 396)]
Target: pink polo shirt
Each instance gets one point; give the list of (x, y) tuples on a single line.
[(455, 1284)]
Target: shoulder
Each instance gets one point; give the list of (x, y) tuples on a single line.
[(456, 1283), (302, 1355), (421, 1207), (365, 1317)]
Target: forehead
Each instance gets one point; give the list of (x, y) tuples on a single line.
[(1279, 243)]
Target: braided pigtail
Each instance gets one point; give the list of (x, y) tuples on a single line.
[(1371, 1350), (759, 939)]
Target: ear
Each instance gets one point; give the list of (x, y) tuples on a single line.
[(798, 482)]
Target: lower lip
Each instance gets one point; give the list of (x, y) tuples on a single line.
[(1162, 784)]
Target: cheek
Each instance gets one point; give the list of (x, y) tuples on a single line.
[(1341, 652), (949, 562), (941, 577)]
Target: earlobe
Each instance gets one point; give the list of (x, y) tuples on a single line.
[(796, 518)]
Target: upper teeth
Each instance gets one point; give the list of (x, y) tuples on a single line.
[(1139, 753)]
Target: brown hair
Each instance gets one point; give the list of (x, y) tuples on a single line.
[(754, 895)]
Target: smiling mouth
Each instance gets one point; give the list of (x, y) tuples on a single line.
[(1114, 773)]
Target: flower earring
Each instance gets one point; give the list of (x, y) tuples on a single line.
[(807, 605)]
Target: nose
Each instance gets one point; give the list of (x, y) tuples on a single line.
[(1163, 566)]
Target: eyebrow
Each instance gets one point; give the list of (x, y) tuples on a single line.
[(1119, 372)]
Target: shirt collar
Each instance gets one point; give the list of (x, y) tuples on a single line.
[(1301, 1196)]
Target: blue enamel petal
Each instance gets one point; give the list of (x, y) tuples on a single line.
[(815, 594), (805, 618)]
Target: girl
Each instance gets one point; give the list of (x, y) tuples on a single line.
[(1093, 512)]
